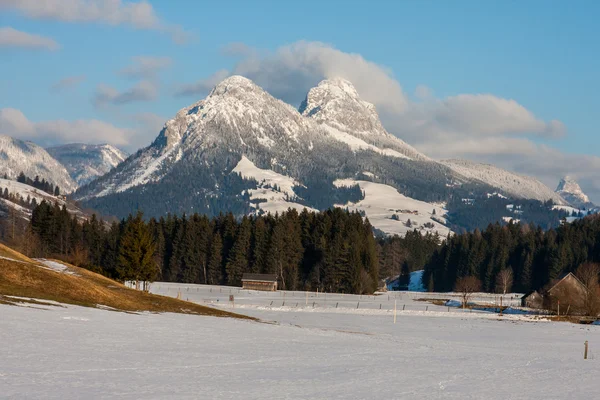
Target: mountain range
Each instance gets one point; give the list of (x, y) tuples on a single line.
[(244, 151)]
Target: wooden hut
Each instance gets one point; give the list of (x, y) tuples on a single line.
[(264, 282), (532, 300)]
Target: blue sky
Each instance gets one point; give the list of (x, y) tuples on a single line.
[(544, 55)]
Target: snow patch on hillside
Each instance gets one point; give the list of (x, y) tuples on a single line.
[(357, 144), (275, 190), (390, 211)]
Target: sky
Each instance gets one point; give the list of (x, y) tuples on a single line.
[(511, 83)]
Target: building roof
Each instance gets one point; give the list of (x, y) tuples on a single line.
[(259, 277), (562, 278), (531, 292)]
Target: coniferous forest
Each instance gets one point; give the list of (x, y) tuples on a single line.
[(332, 251)]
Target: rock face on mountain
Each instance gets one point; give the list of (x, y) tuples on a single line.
[(336, 105), (569, 189), (86, 162), (18, 156)]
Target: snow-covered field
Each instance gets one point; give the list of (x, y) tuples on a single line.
[(302, 353)]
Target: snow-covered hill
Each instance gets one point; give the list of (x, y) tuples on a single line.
[(86, 162), (393, 213), (18, 156), (569, 189), (31, 193), (510, 183)]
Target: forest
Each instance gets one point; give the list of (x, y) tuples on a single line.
[(334, 250)]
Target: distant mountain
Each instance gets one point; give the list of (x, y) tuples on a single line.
[(18, 156), (240, 150), (569, 189), (86, 162), (510, 183)]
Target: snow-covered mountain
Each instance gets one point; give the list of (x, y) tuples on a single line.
[(569, 189), (86, 162), (18, 156), (336, 105), (510, 183), (242, 150)]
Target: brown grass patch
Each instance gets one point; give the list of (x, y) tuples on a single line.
[(85, 288)]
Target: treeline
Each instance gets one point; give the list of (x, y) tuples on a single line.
[(39, 184), (534, 256), (16, 198), (332, 251)]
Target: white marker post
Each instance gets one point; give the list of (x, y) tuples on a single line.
[(307, 297), (395, 311)]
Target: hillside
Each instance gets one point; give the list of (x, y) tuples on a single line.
[(18, 156), (510, 183), (26, 280), (87, 162)]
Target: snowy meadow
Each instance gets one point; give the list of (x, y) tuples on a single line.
[(297, 352)]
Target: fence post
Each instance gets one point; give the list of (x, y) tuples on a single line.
[(336, 304), (586, 350), (357, 304)]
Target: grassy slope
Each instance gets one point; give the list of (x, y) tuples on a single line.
[(24, 277)]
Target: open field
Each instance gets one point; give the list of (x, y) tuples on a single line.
[(74, 352)]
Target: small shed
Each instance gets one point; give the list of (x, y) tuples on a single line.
[(532, 299), (264, 282)]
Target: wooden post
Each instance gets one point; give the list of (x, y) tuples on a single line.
[(500, 305), (357, 304), (394, 311), (306, 298), (586, 350), (558, 309)]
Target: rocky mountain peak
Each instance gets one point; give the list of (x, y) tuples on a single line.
[(570, 190), (337, 103)]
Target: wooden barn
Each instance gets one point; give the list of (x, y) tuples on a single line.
[(567, 294), (532, 300), (264, 282)]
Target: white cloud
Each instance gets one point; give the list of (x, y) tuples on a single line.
[(145, 67), (142, 91), (10, 37), (423, 92), (67, 83), (14, 123), (137, 14)]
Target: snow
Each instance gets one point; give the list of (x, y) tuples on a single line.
[(277, 201), (382, 202), (569, 189), (18, 156), (246, 169), (510, 183), (54, 266), (356, 144), (509, 219), (75, 352)]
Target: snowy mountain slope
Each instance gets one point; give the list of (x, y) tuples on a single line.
[(512, 184), (26, 191), (569, 189), (86, 162), (17, 156), (390, 211), (336, 104), (236, 116), (275, 191)]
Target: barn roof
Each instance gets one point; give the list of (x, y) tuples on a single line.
[(562, 278), (259, 277)]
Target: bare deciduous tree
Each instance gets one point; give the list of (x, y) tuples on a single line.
[(504, 280), (466, 287), (588, 274)]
